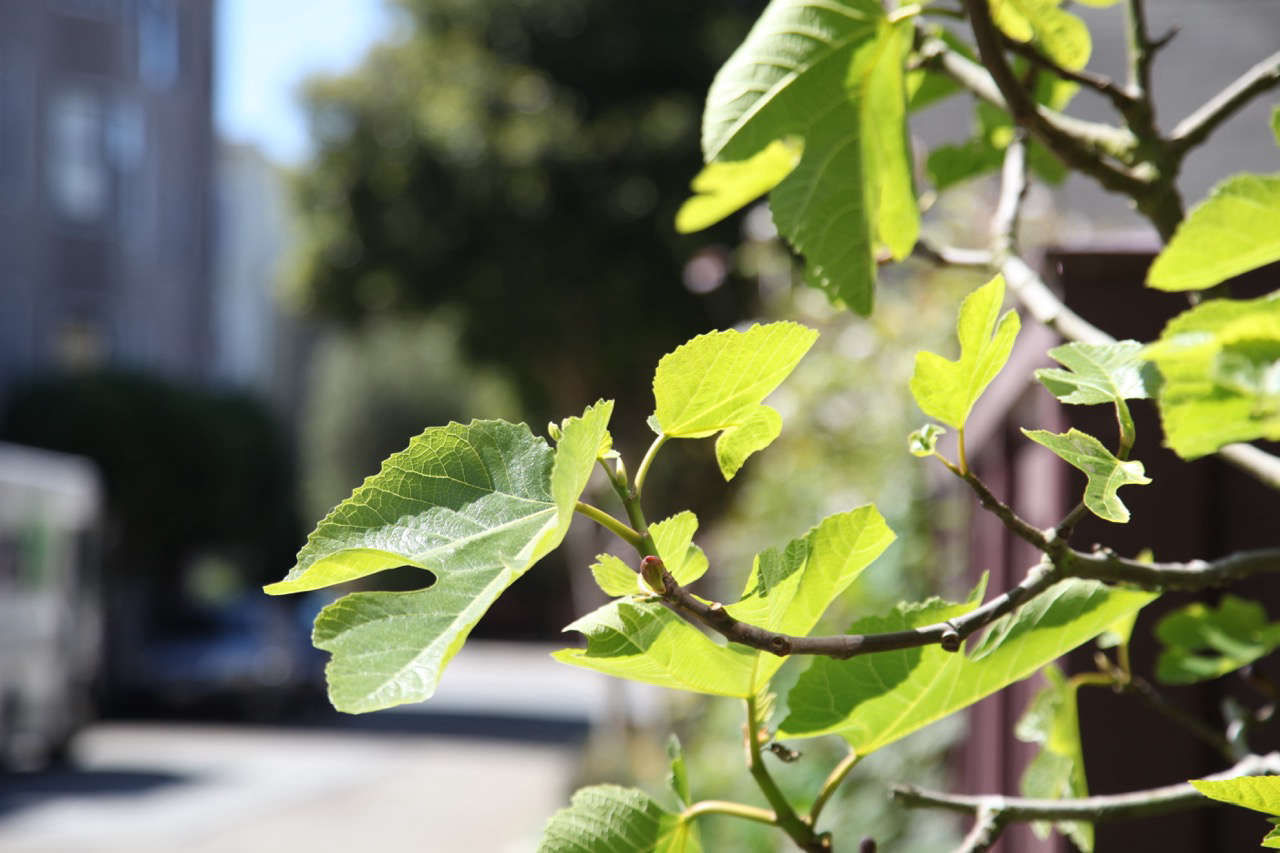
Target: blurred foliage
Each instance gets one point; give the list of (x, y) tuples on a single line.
[(373, 388), (523, 162), (184, 469)]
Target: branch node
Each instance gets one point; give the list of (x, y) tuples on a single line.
[(950, 639)]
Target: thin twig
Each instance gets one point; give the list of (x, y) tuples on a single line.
[(1195, 128), (785, 817), (987, 826), (1155, 700), (1133, 804)]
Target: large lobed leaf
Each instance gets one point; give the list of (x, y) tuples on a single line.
[(1104, 471), (1260, 793), (873, 700), (946, 389), (1200, 642), (716, 383), (476, 505), (831, 73), (1220, 365), (1229, 233), (1052, 720), (618, 820), (787, 591)]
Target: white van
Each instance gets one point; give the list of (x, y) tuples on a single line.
[(51, 618)]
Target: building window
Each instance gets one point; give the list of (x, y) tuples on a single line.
[(158, 57), (77, 170)]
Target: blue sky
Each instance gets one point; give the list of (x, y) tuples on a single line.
[(266, 49)]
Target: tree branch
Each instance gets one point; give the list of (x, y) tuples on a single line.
[(949, 634), (1195, 128), (1121, 99), (1105, 565), (1086, 152), (987, 826), (1154, 801), (1085, 136)]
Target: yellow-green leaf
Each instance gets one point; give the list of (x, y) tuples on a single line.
[(717, 382), (1220, 365), (724, 187), (873, 700), (1231, 232), (1062, 36), (947, 390)]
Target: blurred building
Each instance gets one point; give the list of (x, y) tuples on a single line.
[(256, 346), (106, 157)]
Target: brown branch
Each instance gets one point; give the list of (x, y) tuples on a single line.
[(1195, 128), (1121, 99), (1086, 136), (949, 634), (1087, 154), (1104, 565), (1134, 804)]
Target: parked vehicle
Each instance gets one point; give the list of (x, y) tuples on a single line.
[(51, 614)]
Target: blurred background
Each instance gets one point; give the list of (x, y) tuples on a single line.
[(248, 249)]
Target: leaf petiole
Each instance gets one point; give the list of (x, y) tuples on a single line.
[(608, 522)]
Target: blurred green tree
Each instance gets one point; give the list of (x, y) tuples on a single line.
[(521, 163)]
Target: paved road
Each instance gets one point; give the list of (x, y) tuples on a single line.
[(157, 787), (383, 782)]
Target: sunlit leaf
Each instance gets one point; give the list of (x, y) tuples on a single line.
[(791, 76), (1219, 363), (1098, 373), (644, 641), (1229, 233), (1201, 642), (789, 590), (1052, 720), (619, 820), (726, 187), (476, 506), (877, 86), (946, 389), (615, 577), (717, 382), (674, 538), (1062, 36), (1260, 793), (737, 443), (873, 700), (1105, 472)]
